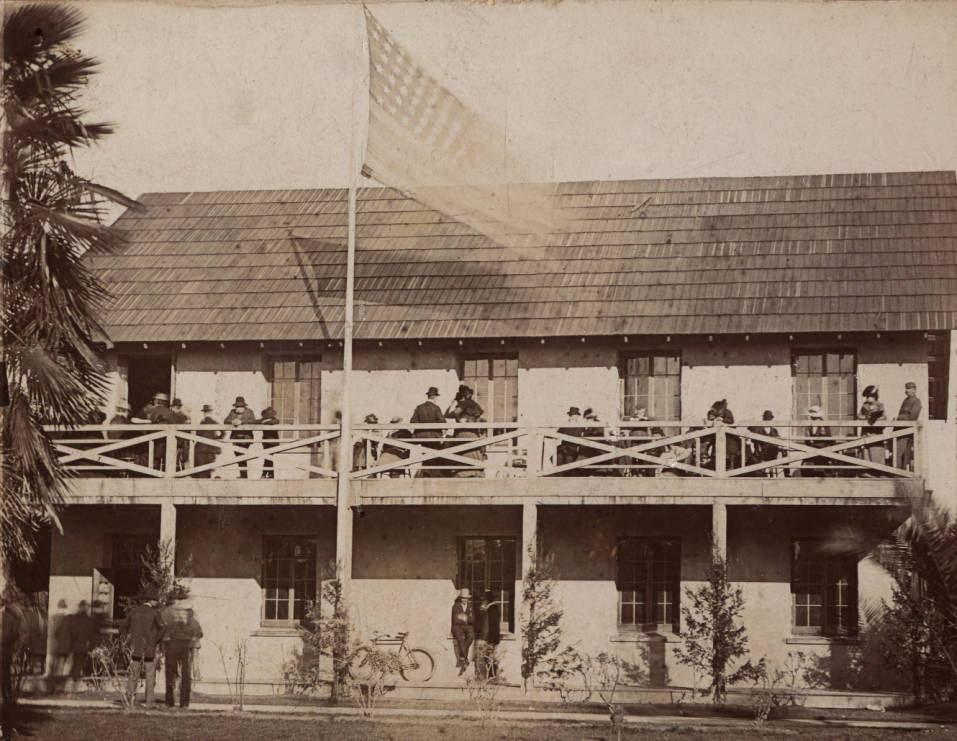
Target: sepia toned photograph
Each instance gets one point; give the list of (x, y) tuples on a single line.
[(552, 370)]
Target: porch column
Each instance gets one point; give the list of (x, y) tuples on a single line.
[(168, 527), (529, 535), (719, 529)]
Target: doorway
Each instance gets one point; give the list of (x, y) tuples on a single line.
[(147, 375)]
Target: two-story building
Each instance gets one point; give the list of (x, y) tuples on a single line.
[(777, 294)]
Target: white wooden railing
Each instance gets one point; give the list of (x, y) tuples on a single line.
[(493, 450)]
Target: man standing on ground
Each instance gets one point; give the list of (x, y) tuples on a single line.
[(142, 628), (463, 631), (909, 411), (179, 636)]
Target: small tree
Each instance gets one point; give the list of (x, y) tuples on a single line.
[(541, 615), (328, 632), (714, 637)]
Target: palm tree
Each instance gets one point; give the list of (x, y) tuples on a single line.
[(51, 218)]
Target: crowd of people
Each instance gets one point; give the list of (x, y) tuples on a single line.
[(433, 428)]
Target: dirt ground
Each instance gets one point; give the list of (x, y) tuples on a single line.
[(166, 724)]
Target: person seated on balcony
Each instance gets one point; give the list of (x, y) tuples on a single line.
[(269, 418), (568, 451), (158, 413), (718, 416), (359, 457), (428, 412), (819, 436), (762, 452), (182, 446), (597, 432), (206, 454), (393, 453), (239, 415), (670, 455), (872, 410), (470, 412)]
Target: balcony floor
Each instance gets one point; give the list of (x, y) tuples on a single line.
[(565, 490)]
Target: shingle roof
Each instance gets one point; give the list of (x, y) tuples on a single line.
[(715, 255)]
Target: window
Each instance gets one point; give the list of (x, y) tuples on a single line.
[(823, 590), (649, 577), (938, 357), (488, 563), (495, 382), (296, 389), (825, 379), (289, 578), (651, 381), (127, 569)]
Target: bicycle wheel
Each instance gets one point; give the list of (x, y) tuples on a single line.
[(419, 666), (360, 664)]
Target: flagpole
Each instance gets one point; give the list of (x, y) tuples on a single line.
[(344, 515)]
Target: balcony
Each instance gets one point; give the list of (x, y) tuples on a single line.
[(659, 462)]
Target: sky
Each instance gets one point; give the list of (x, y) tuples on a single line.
[(274, 97)]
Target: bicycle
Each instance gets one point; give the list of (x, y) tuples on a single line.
[(417, 663)]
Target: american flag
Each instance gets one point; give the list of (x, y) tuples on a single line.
[(423, 140)]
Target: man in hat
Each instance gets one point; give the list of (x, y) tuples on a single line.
[(428, 412), (364, 452), (142, 629), (909, 411), (762, 452), (818, 437), (206, 454), (269, 418), (158, 413), (463, 631), (568, 451), (240, 414), (180, 633), (182, 446)]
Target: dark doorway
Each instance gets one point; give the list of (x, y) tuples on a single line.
[(146, 375)]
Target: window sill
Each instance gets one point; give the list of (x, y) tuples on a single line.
[(277, 632), (634, 636), (812, 640)]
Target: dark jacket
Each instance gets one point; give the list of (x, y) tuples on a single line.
[(142, 627), (209, 435), (269, 434), (245, 417), (83, 632), (461, 615), (493, 620), (158, 414), (910, 409), (182, 627), (427, 413)]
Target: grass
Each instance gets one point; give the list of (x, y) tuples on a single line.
[(168, 724)]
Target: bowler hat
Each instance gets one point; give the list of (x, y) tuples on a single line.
[(767, 415), (176, 403), (240, 402), (160, 396), (433, 391), (207, 408), (371, 419), (910, 385), (268, 413), (573, 410)]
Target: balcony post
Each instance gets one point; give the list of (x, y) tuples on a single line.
[(719, 530), (168, 528), (536, 453), (169, 466), (720, 448)]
